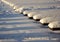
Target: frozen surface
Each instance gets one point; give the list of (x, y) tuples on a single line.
[(15, 27)]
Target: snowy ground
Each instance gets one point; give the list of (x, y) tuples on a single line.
[(15, 27)]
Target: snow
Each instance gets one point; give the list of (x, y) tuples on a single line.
[(8, 40), (49, 19), (54, 24), (14, 27)]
